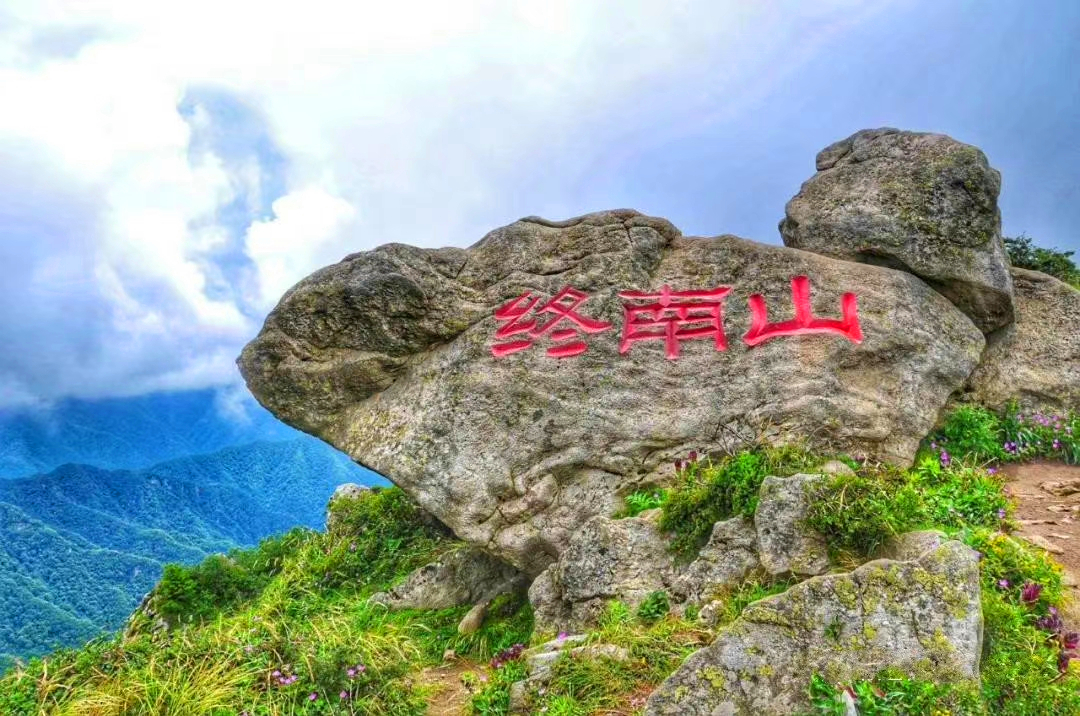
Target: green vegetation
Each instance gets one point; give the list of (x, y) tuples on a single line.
[(642, 500), (581, 686), (80, 546), (1059, 264), (1025, 668), (293, 620), (708, 491), (287, 629)]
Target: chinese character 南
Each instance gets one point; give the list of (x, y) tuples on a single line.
[(674, 316), (668, 316)]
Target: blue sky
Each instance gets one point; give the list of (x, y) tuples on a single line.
[(166, 174)]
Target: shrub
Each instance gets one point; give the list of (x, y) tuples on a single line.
[(655, 606), (1059, 264), (707, 492)]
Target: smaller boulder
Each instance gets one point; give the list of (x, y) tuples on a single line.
[(729, 556), (918, 202), (626, 559), (785, 544), (923, 617), (345, 491), (464, 576), (1036, 360)]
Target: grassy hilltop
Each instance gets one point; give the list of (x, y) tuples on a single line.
[(286, 628)]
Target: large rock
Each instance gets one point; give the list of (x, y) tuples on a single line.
[(388, 356), (1036, 360), (923, 617), (923, 203)]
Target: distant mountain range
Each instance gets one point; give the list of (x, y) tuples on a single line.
[(81, 543), (131, 433)]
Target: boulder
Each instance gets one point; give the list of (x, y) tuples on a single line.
[(463, 576), (1036, 360), (389, 356), (922, 203), (606, 559), (730, 555), (785, 544), (923, 617), (345, 491)]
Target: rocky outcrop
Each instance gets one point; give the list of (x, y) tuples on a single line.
[(606, 559), (1036, 360), (918, 202), (923, 616), (345, 491), (629, 559), (463, 576), (388, 356)]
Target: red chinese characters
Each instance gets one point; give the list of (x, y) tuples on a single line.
[(674, 316), (668, 316), (514, 312), (804, 322)]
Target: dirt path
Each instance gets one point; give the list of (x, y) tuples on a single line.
[(1048, 511), (450, 695)]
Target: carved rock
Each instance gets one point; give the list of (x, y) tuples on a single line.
[(388, 356)]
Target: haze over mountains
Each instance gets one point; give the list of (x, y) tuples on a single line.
[(97, 496)]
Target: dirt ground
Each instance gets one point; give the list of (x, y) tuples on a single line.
[(450, 696), (1048, 511)]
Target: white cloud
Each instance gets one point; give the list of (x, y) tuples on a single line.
[(419, 122), (299, 239)]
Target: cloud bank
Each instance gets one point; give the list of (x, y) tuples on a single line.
[(170, 169)]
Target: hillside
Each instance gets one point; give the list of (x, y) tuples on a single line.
[(300, 625), (79, 546)]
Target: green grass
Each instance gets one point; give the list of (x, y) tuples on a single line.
[(297, 606), (706, 492)]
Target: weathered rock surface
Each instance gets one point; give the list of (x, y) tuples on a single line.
[(1035, 360), (629, 559), (387, 356), (919, 202), (785, 544), (606, 559), (924, 617), (345, 491), (726, 559), (466, 576)]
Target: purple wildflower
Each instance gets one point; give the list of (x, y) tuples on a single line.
[(991, 471), (275, 673), (1063, 661), (1051, 622), (1057, 444), (313, 696), (1030, 592), (344, 695), (562, 635), (350, 672), (1070, 640), (1001, 513), (1003, 584), (693, 456), (945, 459)]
